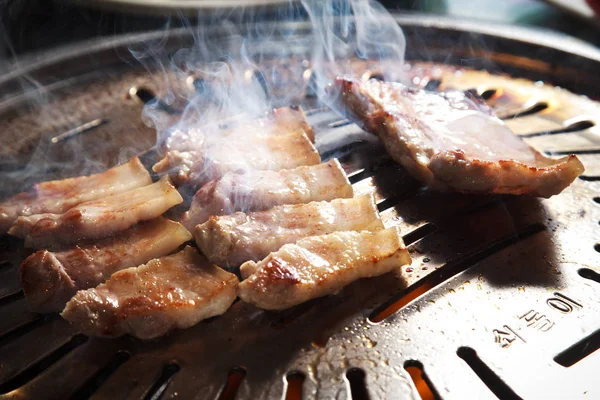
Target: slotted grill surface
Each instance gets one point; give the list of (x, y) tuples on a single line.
[(502, 298)]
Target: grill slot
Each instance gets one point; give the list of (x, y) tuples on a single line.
[(579, 351), (168, 373), (485, 373), (234, 380), (294, 381), (422, 383), (41, 365), (589, 274), (357, 382)]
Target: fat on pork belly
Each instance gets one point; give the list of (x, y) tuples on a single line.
[(261, 190), (98, 218), (171, 292), (320, 265), (60, 195), (281, 143), (50, 279), (230, 240), (451, 141)]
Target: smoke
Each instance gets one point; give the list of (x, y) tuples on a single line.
[(252, 64), (242, 63)]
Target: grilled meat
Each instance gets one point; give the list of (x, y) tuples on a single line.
[(99, 218), (261, 190), (450, 141), (283, 142), (58, 196), (50, 279), (320, 265), (230, 240), (172, 292)]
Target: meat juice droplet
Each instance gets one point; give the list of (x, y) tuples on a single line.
[(409, 269)]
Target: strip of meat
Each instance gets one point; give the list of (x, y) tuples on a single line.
[(230, 240), (58, 196), (221, 155), (320, 265), (50, 279), (261, 190), (451, 142), (172, 292), (282, 120), (283, 141), (99, 218)]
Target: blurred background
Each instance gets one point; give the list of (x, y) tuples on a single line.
[(37, 25)]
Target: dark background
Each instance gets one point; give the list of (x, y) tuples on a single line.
[(33, 25)]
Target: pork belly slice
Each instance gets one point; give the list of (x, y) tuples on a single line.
[(320, 265), (219, 155), (230, 240), (261, 190), (50, 279), (281, 121), (282, 141), (172, 292), (58, 196), (99, 218), (450, 141)]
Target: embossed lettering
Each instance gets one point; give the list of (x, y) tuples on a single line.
[(562, 303)]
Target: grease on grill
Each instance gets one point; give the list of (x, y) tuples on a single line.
[(446, 272)]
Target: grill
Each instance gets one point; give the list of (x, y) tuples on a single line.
[(502, 299)]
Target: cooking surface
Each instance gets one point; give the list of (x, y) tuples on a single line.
[(509, 286)]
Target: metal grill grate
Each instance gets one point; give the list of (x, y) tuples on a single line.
[(502, 298)]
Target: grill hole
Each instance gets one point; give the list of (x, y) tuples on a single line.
[(9, 298), (449, 270), (488, 94), (433, 85), (597, 200), (489, 377), (143, 94), (536, 108), (234, 380), (93, 383), (41, 365), (576, 127), (262, 81), (358, 386), (23, 329), (340, 123), (421, 381), (579, 350), (589, 274), (589, 178), (597, 247), (419, 233), (377, 76), (168, 373), (295, 380)]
